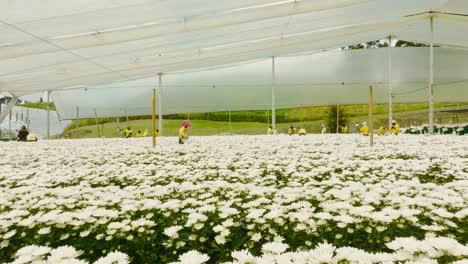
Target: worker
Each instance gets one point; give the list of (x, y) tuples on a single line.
[(382, 131), (270, 131), (324, 129), (139, 134), (183, 136), (302, 131), (128, 132), (156, 133), (294, 130), (31, 137), (395, 129), (291, 130), (344, 129), (145, 134), (364, 129), (23, 134)]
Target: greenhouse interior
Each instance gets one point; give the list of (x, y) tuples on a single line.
[(246, 131)]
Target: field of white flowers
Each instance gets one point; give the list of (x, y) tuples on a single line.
[(236, 199)]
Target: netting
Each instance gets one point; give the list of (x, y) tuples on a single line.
[(323, 78)]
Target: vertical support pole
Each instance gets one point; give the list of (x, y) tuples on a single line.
[(431, 78), (118, 124), (153, 121), (48, 114), (337, 118), (77, 121), (230, 124), (371, 119), (160, 117), (126, 117), (97, 123), (268, 119), (9, 125), (273, 98), (390, 84), (27, 119)]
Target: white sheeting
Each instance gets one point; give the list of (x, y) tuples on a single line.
[(50, 45), (324, 78)]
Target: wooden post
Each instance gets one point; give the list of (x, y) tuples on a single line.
[(371, 120), (337, 118), (97, 123), (153, 129)]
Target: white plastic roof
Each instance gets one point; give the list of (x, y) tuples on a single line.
[(54, 44), (323, 78)]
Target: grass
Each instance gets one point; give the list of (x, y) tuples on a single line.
[(42, 106), (208, 127), (171, 126)]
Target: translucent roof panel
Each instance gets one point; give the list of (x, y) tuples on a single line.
[(54, 45), (323, 78)]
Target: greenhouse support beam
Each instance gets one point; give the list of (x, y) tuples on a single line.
[(273, 98), (431, 77), (390, 88), (77, 121), (97, 122), (48, 114), (153, 120), (160, 118), (371, 119)]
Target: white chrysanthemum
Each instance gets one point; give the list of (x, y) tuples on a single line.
[(113, 258), (274, 248), (172, 231), (63, 252), (193, 257), (243, 256)]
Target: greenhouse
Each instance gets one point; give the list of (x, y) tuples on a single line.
[(360, 196)]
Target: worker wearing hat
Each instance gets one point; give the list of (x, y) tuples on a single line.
[(183, 136), (364, 129), (395, 129)]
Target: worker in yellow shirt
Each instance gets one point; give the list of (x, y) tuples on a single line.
[(364, 129), (302, 131), (156, 133), (382, 131), (139, 134), (183, 136), (395, 129), (344, 129), (270, 131), (128, 132)]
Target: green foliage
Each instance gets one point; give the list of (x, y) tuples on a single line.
[(332, 116)]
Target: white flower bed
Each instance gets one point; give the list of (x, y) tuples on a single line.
[(240, 199)]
